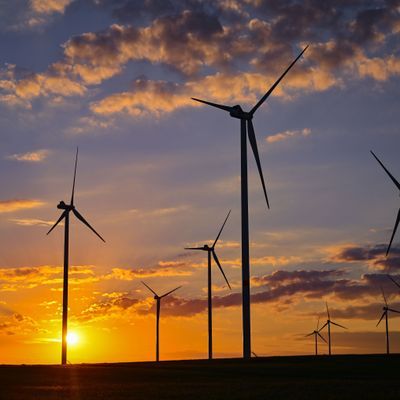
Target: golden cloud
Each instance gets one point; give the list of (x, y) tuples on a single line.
[(18, 204)]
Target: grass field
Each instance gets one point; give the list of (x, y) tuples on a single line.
[(338, 377)]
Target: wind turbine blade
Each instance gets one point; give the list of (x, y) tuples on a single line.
[(266, 95), (387, 171), (323, 326), (220, 231), (321, 337), (340, 326), (384, 297), (398, 285), (253, 143), (58, 221), (327, 310), (394, 232), (221, 106), (220, 268), (194, 248), (73, 184), (171, 291), (80, 217), (392, 310), (383, 314), (310, 334), (151, 290)]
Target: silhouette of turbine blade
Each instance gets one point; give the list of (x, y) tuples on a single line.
[(321, 337), (394, 232), (383, 314), (323, 326), (340, 326), (221, 106), (398, 285), (392, 310), (194, 248), (253, 143), (58, 221), (220, 231), (327, 310), (266, 95), (220, 268), (310, 334), (151, 290), (394, 180), (80, 217), (73, 183), (171, 291)]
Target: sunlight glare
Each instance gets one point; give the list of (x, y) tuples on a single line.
[(72, 338)]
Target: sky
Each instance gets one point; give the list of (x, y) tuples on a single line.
[(158, 172)]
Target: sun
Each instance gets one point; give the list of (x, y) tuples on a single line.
[(72, 338)]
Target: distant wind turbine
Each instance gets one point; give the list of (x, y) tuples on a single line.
[(65, 216), (385, 314), (158, 298), (246, 128), (316, 334), (328, 324), (211, 251), (397, 184)]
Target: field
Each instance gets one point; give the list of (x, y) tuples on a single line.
[(338, 377)]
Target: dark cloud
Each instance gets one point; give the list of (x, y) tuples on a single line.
[(374, 255), (278, 288)]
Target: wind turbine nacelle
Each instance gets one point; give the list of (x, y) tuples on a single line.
[(237, 112), (63, 206)]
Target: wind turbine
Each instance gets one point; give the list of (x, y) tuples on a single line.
[(246, 128), (211, 251), (65, 216), (394, 180), (328, 323), (316, 334), (158, 298), (385, 314)]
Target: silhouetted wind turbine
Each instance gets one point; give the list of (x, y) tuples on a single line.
[(65, 216), (397, 184), (211, 251), (385, 314), (246, 128), (316, 334), (158, 298), (328, 323)]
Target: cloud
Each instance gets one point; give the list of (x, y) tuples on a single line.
[(278, 137), (162, 269), (278, 288), (246, 42), (374, 256), (12, 279), (18, 204), (34, 156), (21, 15), (50, 6), (31, 222)]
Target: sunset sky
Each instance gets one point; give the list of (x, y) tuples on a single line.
[(158, 172)]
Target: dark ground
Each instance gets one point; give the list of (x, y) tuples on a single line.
[(338, 377)]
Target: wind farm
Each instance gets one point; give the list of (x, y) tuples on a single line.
[(219, 278)]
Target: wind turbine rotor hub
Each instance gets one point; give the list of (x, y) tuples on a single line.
[(237, 112)]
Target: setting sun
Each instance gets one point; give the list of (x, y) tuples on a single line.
[(72, 338)]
